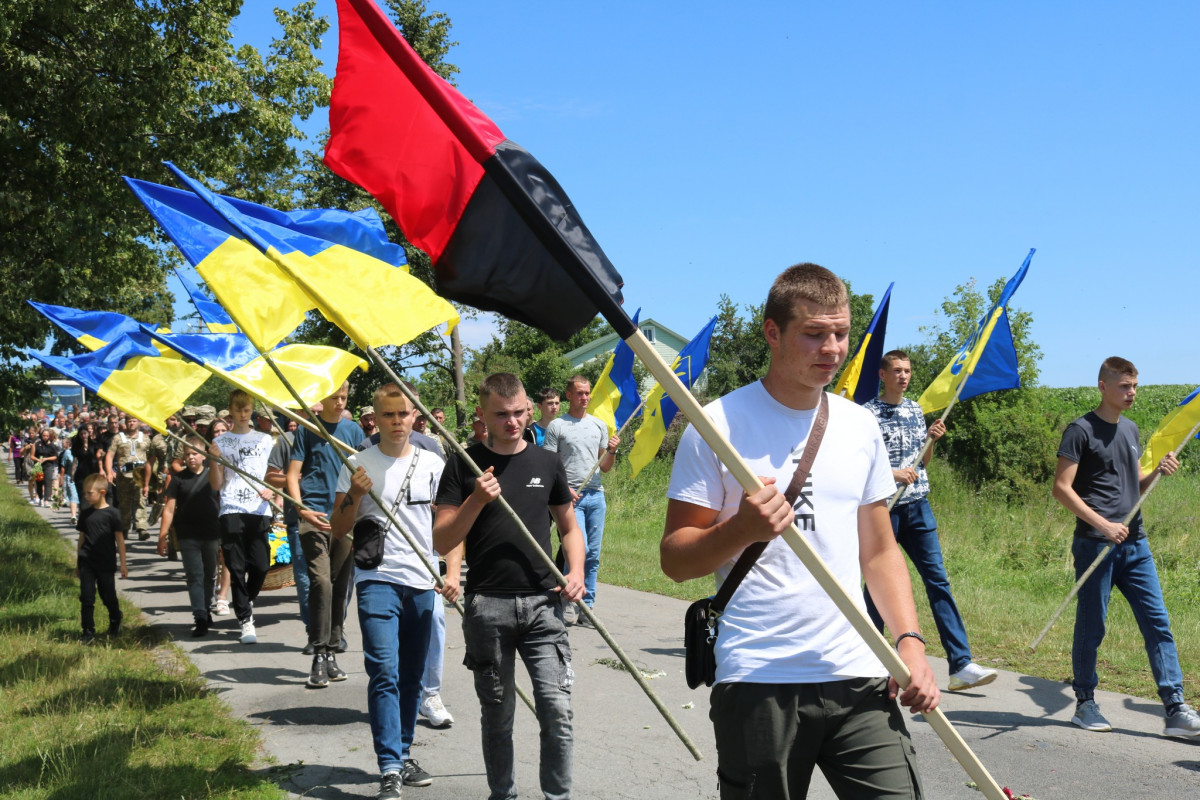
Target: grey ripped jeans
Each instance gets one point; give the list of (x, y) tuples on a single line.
[(495, 629)]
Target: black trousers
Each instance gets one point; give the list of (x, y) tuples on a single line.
[(247, 557), (91, 580)]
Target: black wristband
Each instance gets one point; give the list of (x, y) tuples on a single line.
[(909, 634)]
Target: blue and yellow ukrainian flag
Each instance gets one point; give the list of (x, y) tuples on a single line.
[(1173, 432), (660, 408), (127, 362), (988, 356), (211, 314), (92, 329), (264, 302), (373, 302), (860, 378), (130, 374), (314, 371), (615, 396)]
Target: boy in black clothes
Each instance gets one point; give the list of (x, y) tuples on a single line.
[(100, 540)]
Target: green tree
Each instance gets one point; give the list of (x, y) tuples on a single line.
[(93, 91)]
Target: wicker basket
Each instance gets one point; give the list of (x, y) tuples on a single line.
[(279, 577)]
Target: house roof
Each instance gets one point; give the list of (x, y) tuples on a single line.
[(666, 341)]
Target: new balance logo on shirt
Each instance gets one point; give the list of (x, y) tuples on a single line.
[(534, 483)]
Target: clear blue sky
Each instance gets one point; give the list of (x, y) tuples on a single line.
[(708, 146)]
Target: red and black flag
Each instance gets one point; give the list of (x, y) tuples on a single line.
[(501, 232)]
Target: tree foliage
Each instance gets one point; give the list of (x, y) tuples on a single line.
[(93, 91)]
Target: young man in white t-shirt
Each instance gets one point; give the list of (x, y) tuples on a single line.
[(245, 514), (397, 599), (797, 687)]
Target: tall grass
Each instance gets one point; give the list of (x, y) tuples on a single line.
[(124, 718), (1009, 564)]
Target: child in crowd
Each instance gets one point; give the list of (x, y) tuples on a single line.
[(100, 541)]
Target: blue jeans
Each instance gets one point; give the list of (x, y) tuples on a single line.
[(299, 569), (916, 532), (199, 557), (589, 513), (431, 681), (1130, 568), (394, 619), (496, 629)]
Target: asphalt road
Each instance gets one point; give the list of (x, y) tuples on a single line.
[(317, 743)]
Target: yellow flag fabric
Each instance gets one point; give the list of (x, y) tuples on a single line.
[(1173, 432), (314, 371), (261, 298), (604, 399), (374, 303), (650, 435)]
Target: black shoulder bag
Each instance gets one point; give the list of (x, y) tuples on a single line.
[(701, 619), (370, 534)]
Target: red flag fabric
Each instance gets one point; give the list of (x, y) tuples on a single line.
[(500, 231)]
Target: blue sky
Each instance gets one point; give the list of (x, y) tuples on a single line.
[(708, 146)]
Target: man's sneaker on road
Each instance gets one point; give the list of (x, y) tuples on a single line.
[(308, 649), (389, 787), (332, 670), (412, 774), (202, 625), (249, 636), (570, 613), (1182, 721), (1088, 717), (318, 678), (970, 676), (431, 708)]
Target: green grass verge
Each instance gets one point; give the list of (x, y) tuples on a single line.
[(128, 718), (1009, 564)]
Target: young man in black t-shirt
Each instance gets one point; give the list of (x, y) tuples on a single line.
[(512, 597), (1098, 480), (101, 539)]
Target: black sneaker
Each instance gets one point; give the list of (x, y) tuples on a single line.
[(332, 669), (114, 629), (318, 678), (87, 637), (341, 648), (412, 774), (389, 787), (308, 649), (201, 627)]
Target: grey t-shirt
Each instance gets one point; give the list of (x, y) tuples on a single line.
[(1108, 475), (578, 443)]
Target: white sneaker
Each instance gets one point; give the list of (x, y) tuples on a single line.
[(431, 708), (1088, 717), (1184, 722), (248, 634), (970, 676)]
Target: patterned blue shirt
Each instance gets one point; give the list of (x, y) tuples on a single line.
[(903, 428)]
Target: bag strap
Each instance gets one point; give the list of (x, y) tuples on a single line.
[(412, 467), (799, 478)]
